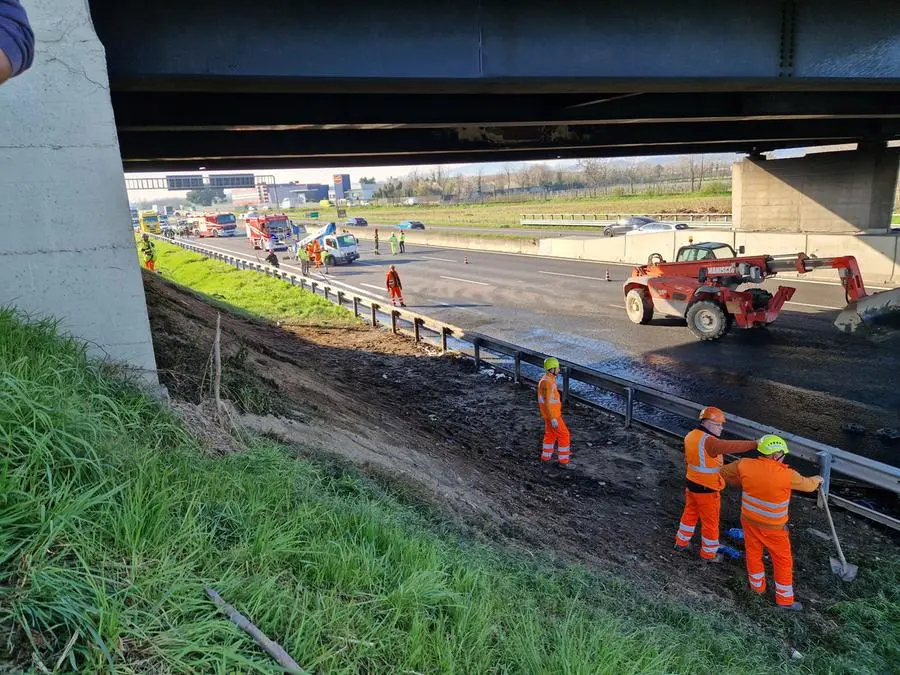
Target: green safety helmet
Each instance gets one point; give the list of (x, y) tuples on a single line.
[(770, 444), (551, 362)]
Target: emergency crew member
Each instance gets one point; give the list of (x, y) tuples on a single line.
[(767, 483), (377, 252), (272, 259), (393, 241), (147, 250), (703, 456), (303, 256), (317, 253), (556, 433), (402, 242), (394, 287)]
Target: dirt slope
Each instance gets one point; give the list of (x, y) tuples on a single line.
[(472, 443)]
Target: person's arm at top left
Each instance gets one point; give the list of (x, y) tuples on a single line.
[(16, 40)]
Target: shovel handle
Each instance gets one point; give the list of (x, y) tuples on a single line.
[(824, 499)]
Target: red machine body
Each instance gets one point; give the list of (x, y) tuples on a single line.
[(707, 286)]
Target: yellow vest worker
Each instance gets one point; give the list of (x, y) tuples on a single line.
[(556, 433), (703, 455), (767, 485)]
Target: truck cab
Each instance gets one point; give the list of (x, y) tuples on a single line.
[(340, 249), (148, 221), (710, 250)]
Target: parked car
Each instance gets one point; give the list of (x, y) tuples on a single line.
[(410, 225), (357, 222), (627, 224), (658, 227)]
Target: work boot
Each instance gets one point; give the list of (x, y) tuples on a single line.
[(795, 606), (682, 549), (717, 558)]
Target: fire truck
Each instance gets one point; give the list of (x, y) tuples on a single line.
[(217, 225), (269, 233)]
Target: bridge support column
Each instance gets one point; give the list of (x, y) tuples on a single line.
[(66, 243), (849, 191)]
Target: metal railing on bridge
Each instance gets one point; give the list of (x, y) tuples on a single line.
[(635, 403), (604, 219)]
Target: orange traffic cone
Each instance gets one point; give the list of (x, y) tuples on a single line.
[(607, 276)]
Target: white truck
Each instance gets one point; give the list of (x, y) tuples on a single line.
[(337, 249)]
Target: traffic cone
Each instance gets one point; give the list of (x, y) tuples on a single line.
[(607, 276), (465, 260)]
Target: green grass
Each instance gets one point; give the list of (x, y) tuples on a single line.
[(246, 292), (503, 214), (112, 523), (895, 219)]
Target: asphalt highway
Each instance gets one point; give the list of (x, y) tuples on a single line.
[(800, 374)]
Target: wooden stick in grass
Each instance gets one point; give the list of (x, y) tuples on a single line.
[(271, 648)]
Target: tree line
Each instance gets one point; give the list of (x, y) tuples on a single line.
[(591, 176)]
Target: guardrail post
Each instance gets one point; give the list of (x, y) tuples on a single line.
[(325, 290), (293, 280), (476, 343), (825, 460), (374, 316), (517, 369), (565, 394), (629, 406), (417, 328), (444, 332), (395, 318), (340, 296), (355, 306)]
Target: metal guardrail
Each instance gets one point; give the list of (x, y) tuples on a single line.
[(827, 458), (604, 219)]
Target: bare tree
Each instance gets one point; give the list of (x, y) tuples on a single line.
[(594, 173), (508, 173)]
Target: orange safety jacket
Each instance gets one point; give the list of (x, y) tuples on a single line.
[(393, 279), (703, 455), (548, 398), (766, 485)]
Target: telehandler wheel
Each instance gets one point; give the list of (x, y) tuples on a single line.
[(707, 320), (638, 306)]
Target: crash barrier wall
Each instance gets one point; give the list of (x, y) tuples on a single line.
[(825, 457), (878, 255), (604, 219)]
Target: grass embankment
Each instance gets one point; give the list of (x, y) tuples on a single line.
[(112, 523), (502, 214), (244, 292)]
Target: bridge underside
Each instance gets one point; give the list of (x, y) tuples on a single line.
[(228, 84)]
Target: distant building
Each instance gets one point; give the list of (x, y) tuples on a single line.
[(341, 186), (356, 193), (296, 194)]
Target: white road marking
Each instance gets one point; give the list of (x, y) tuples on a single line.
[(618, 306), (377, 288), (576, 276), (467, 281), (428, 257), (806, 304)]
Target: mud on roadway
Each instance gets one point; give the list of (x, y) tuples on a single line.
[(469, 443)]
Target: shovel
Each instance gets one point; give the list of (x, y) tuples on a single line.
[(839, 566)]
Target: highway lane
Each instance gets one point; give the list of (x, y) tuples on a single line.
[(799, 374)]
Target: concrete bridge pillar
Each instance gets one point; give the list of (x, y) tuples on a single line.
[(849, 191), (66, 243)]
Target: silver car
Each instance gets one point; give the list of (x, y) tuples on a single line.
[(625, 225)]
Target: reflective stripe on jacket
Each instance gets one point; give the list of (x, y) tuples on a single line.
[(548, 398), (767, 486), (702, 467)]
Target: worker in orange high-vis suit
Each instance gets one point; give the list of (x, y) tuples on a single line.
[(703, 456), (767, 483), (556, 433), (394, 287)]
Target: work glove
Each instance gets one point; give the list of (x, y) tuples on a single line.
[(819, 480), (554, 423)]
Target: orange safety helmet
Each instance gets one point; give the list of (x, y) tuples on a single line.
[(713, 415)]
